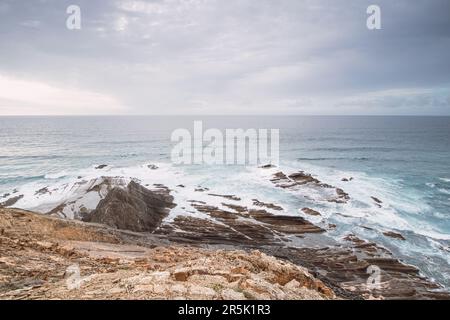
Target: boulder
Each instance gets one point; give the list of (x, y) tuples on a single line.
[(394, 235), (134, 208), (311, 212)]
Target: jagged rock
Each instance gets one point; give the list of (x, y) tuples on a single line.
[(260, 225), (311, 212), (258, 203), (342, 196), (34, 246), (267, 166), (378, 202), (11, 201), (394, 235), (303, 178), (42, 191), (226, 196), (134, 208)]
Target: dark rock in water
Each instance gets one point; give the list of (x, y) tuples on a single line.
[(279, 176), (286, 224), (134, 208), (101, 166), (303, 178), (377, 200), (394, 235), (42, 191), (296, 179), (311, 212), (181, 186), (11, 201), (352, 238), (197, 201), (260, 220), (344, 179), (342, 196), (152, 167), (267, 166), (226, 196), (201, 189), (6, 195), (258, 203)]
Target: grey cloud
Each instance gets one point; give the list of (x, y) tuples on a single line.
[(233, 56)]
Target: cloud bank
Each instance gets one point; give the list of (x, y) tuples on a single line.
[(225, 57)]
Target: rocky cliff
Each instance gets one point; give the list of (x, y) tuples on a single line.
[(44, 257), (129, 232)]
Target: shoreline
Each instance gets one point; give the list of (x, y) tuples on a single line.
[(343, 266)]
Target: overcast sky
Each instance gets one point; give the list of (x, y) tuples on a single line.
[(225, 57)]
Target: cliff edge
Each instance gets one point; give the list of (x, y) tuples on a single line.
[(43, 257)]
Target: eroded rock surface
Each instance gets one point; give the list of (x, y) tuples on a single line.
[(124, 204), (134, 208), (42, 257)]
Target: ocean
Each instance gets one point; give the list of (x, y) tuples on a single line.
[(402, 161)]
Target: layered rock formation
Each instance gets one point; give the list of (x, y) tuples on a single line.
[(134, 208), (48, 258), (131, 220)]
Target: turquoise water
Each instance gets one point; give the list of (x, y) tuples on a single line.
[(403, 161)]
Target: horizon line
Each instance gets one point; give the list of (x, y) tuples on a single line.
[(227, 115)]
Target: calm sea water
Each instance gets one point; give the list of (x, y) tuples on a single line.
[(403, 161)]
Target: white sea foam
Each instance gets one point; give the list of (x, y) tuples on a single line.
[(247, 183), (400, 209), (444, 191)]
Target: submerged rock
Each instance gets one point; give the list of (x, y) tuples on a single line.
[(342, 196), (226, 196), (272, 206), (42, 191), (394, 235), (11, 201), (311, 212), (267, 166), (303, 178)]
